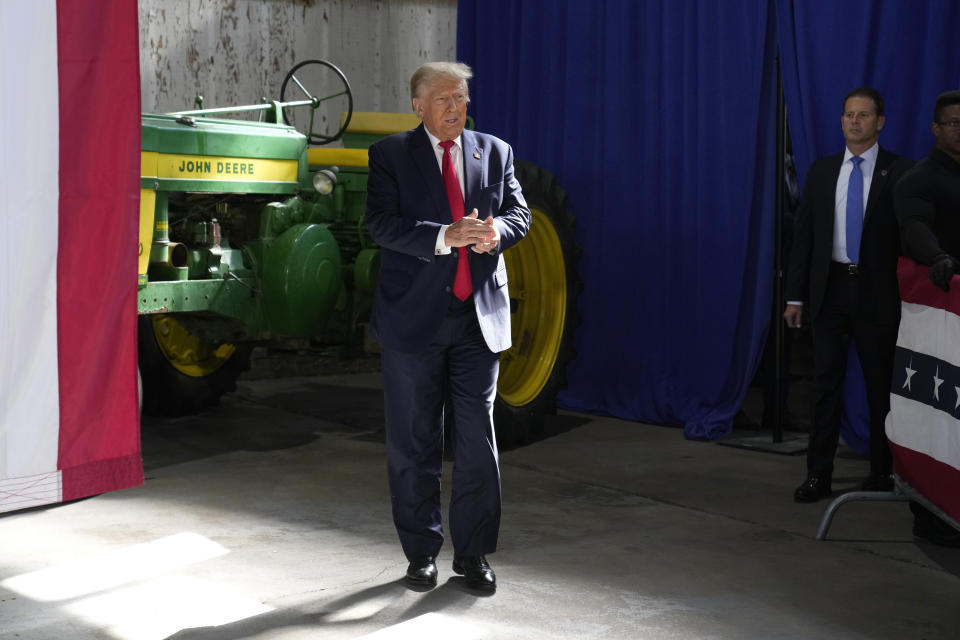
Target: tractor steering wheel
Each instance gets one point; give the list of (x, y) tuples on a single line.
[(314, 72)]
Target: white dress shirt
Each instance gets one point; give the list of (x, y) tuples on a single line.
[(456, 154), (840, 201)]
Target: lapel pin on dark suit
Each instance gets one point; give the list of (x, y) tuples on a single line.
[(476, 155), (883, 172)]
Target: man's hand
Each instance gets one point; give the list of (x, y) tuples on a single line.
[(793, 315), (486, 247), (468, 230), (942, 270)]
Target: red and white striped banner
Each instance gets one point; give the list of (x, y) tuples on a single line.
[(924, 420), (69, 194)]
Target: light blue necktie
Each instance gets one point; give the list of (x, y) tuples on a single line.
[(854, 211)]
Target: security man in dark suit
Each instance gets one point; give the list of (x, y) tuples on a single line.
[(442, 315), (843, 266), (928, 199), (927, 202)]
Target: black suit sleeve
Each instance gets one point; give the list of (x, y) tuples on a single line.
[(798, 271), (916, 213)]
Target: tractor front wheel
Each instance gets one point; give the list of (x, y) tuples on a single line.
[(181, 373)]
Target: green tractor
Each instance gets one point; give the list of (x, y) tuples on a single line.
[(253, 235)]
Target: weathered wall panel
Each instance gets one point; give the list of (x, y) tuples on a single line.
[(235, 51)]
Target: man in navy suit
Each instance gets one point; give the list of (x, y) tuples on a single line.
[(442, 315), (847, 274)]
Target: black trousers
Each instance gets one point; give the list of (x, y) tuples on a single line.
[(840, 320), (456, 374)]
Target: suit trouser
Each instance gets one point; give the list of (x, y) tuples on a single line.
[(457, 370), (839, 321)]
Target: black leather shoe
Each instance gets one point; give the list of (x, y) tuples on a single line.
[(877, 482), (476, 570), (812, 489), (422, 571)]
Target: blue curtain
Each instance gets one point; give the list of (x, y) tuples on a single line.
[(658, 118), (905, 50)]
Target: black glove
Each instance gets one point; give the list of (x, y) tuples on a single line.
[(942, 269)]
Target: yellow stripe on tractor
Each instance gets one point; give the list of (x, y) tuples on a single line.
[(224, 168), (324, 156), (382, 123)]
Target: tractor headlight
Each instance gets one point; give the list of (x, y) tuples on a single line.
[(324, 181)]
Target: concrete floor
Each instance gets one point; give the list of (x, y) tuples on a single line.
[(269, 518)]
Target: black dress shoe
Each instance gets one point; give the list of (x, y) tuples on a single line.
[(422, 571), (812, 489), (476, 570), (878, 482)]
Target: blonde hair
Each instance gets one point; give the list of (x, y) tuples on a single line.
[(432, 71)]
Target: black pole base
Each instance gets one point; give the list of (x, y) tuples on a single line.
[(790, 444)]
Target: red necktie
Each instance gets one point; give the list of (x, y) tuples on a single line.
[(461, 286)]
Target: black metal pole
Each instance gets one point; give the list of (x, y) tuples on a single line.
[(777, 320)]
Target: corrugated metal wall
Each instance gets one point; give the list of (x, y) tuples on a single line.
[(235, 51)]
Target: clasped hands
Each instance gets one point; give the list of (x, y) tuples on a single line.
[(481, 235)]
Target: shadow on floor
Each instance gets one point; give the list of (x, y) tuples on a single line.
[(307, 411), (359, 608)]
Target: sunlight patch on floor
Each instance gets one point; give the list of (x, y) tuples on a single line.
[(115, 568), (429, 625), (134, 593), (161, 607)]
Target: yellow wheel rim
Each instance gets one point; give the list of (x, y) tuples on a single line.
[(186, 352), (538, 283)]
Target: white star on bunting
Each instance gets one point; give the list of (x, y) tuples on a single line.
[(910, 372), (937, 381)]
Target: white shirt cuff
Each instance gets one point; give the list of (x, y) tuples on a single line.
[(441, 248)]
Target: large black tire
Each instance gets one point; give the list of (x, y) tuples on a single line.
[(180, 374), (544, 287)]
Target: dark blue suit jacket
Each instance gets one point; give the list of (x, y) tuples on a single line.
[(406, 205)]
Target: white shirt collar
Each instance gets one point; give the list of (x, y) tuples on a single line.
[(869, 156), (435, 141)]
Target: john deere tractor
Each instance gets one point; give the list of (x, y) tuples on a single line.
[(252, 234)]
